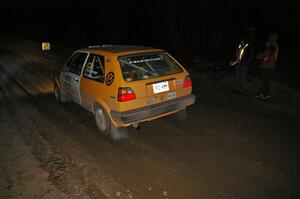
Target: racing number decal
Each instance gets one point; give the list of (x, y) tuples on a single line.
[(109, 79)]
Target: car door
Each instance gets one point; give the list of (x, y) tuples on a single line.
[(71, 76)]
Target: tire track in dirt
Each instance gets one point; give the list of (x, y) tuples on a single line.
[(26, 120), (22, 172)]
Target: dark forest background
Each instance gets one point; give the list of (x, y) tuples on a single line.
[(206, 29)]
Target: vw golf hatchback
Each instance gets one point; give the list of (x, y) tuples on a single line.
[(124, 85)]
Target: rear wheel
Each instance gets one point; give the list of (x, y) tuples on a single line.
[(106, 127), (102, 121)]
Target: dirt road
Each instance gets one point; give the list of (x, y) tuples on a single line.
[(229, 146)]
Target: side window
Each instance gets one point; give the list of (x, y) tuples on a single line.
[(76, 62), (94, 68)]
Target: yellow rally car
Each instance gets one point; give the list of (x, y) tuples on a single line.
[(124, 85)]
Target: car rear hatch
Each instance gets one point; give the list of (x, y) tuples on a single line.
[(154, 78)]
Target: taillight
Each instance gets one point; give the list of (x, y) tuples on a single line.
[(125, 94), (187, 82)]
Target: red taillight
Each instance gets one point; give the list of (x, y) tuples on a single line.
[(125, 94), (187, 82)]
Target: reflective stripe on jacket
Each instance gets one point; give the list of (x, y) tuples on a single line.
[(241, 51)]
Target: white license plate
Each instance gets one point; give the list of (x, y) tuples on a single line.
[(160, 87), (171, 95)]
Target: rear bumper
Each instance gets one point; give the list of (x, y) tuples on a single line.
[(153, 110)]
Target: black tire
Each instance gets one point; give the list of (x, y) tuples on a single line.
[(106, 127), (57, 93)]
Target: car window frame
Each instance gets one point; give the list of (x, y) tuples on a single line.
[(79, 70), (68, 67), (102, 58)]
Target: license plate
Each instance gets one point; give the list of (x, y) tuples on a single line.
[(160, 87), (171, 95)]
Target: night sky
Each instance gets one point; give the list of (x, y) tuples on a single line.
[(208, 29)]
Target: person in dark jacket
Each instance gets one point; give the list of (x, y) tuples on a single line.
[(267, 65), (242, 63)]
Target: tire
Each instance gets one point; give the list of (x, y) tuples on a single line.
[(58, 95), (106, 127)]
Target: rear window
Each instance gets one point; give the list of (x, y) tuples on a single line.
[(145, 66)]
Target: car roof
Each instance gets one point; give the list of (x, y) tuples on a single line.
[(119, 49)]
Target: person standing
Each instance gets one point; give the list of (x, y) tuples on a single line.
[(242, 63), (268, 60)]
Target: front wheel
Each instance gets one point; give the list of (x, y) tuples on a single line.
[(106, 127), (58, 95)]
